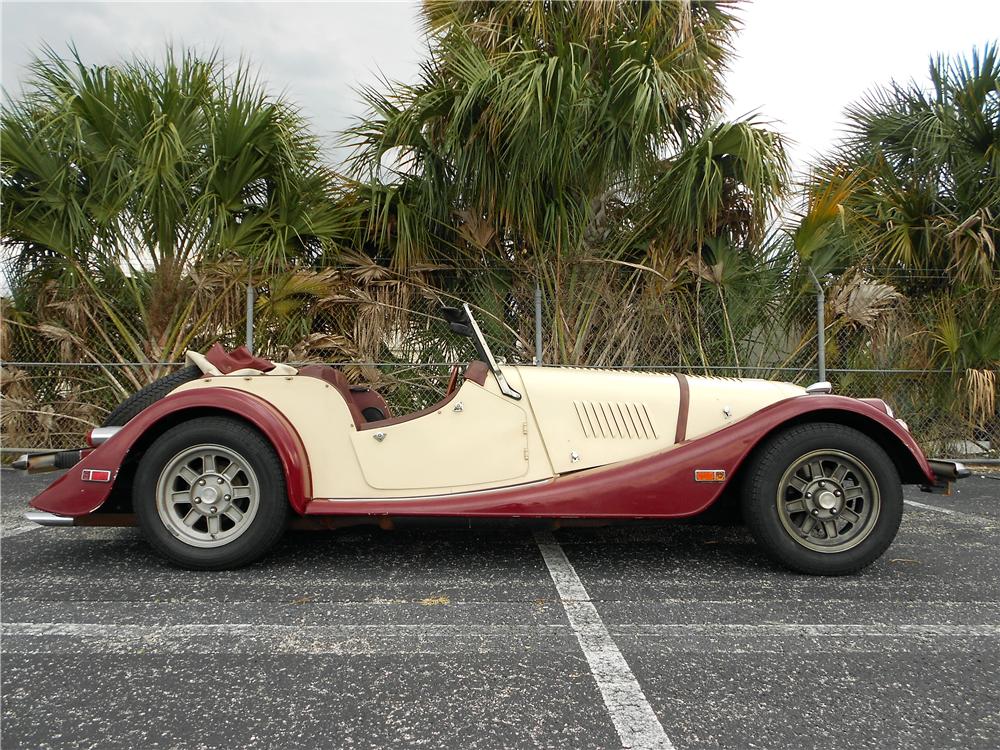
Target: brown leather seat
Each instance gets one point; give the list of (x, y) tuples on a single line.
[(475, 371), (358, 399)]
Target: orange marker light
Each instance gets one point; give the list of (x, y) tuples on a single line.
[(710, 475)]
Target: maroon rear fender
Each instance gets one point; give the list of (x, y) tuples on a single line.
[(658, 486), (76, 493)]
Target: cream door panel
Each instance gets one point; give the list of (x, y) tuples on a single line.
[(591, 418), (477, 438)]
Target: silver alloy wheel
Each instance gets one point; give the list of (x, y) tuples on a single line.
[(828, 501), (207, 495)]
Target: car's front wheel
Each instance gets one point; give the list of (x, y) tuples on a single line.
[(823, 499), (209, 494)]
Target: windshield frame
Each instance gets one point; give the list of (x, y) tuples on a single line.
[(483, 350)]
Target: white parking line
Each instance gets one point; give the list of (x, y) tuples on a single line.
[(634, 719), (950, 512), (18, 529), (806, 629)]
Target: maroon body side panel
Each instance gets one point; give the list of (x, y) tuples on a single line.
[(70, 495), (657, 486)]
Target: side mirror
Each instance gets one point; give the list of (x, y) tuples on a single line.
[(458, 321)]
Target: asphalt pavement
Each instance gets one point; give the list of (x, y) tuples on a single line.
[(503, 636)]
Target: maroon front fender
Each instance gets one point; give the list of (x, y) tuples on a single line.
[(72, 495)]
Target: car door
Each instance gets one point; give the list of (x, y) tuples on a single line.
[(474, 440)]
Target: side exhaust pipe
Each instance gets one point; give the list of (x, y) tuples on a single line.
[(36, 463), (56, 460)]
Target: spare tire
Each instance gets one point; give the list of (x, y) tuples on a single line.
[(147, 396)]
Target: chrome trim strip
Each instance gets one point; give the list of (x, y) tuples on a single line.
[(43, 518)]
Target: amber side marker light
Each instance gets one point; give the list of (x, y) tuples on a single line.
[(710, 475)]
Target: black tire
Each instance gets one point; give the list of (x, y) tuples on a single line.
[(776, 461), (149, 395), (269, 518)]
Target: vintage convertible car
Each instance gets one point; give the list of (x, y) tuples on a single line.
[(214, 462)]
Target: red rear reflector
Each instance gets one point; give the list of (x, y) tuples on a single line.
[(710, 475), (95, 475)]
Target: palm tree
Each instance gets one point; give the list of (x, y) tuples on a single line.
[(125, 185), (576, 145), (139, 199), (917, 186)]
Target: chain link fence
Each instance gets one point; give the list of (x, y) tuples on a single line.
[(387, 333)]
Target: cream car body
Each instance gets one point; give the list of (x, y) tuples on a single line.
[(566, 420)]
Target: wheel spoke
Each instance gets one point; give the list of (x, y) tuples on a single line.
[(807, 525), (240, 492), (213, 525), (816, 469), (208, 463), (798, 483), (852, 493), (180, 497), (796, 506), (849, 515), (231, 471), (191, 518), (234, 514), (830, 527), (188, 474), (839, 473)]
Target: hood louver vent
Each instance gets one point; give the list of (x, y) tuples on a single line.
[(614, 420)]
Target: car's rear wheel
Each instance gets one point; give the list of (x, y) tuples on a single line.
[(823, 499), (210, 494)]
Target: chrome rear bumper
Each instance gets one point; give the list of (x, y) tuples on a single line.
[(44, 518)]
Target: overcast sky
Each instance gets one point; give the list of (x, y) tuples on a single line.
[(800, 61)]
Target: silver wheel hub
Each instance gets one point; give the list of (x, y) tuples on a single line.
[(207, 495), (828, 500)]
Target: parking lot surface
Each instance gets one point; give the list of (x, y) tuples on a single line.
[(504, 636)]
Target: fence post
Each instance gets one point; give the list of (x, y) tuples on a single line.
[(250, 296), (820, 327), (538, 325)]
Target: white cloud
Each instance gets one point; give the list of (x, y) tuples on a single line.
[(316, 53)]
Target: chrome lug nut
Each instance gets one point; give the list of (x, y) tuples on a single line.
[(201, 481), (213, 509), (837, 493), (197, 501), (809, 494), (815, 511), (220, 480), (822, 484), (226, 497), (833, 511)]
